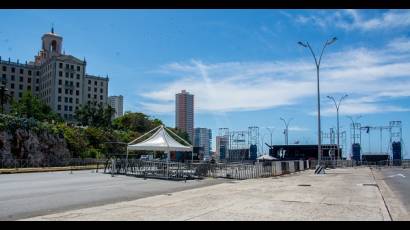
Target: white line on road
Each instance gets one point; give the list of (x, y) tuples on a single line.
[(399, 174)]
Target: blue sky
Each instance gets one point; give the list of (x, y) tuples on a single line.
[(243, 66)]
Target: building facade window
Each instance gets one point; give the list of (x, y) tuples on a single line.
[(21, 71), (59, 107), (21, 79), (29, 80), (13, 70), (60, 73), (12, 77), (21, 87), (29, 72), (4, 68), (12, 85), (78, 68), (78, 84), (59, 90), (60, 65), (77, 92), (59, 98)]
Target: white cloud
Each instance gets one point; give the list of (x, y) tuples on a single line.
[(355, 20), (361, 108), (370, 77), (401, 44), (298, 129)]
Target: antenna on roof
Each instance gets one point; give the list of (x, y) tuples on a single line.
[(52, 28)]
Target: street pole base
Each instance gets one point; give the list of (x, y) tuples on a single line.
[(319, 169)]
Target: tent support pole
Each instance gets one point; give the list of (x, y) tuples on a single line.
[(126, 162)]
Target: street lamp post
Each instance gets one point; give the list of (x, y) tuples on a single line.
[(271, 132), (286, 129), (328, 42), (337, 105), (354, 126)]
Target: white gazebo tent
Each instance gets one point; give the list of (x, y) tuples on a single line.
[(266, 157), (160, 141)]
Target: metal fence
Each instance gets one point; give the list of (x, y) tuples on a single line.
[(352, 163), (43, 163), (183, 171)]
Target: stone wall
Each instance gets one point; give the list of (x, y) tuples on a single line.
[(24, 144)]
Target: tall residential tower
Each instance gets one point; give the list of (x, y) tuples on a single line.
[(117, 103), (184, 113)]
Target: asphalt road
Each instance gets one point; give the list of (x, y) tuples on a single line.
[(398, 180), (31, 194)]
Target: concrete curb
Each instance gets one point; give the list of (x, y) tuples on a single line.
[(50, 169), (396, 208)]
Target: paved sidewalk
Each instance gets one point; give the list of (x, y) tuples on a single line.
[(341, 194)]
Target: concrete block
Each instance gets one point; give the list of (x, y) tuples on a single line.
[(301, 166), (291, 166), (278, 168)]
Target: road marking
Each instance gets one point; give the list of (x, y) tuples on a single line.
[(399, 174)]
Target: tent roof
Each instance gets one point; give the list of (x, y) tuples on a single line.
[(160, 141), (266, 157)]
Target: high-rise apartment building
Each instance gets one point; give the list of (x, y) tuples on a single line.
[(203, 138), (184, 113), (58, 79), (117, 103), (222, 143)]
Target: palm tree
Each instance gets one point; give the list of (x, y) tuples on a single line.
[(4, 97)]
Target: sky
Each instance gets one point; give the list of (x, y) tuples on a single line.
[(244, 67)]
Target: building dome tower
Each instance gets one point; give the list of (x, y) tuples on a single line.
[(51, 46), (52, 43)]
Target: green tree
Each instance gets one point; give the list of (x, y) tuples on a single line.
[(95, 115), (4, 97), (30, 106), (137, 122), (182, 134)]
